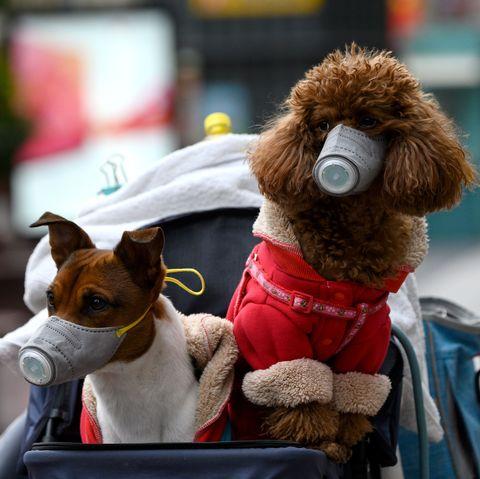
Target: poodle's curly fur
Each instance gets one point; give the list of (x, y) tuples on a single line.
[(318, 426), (364, 237), (309, 423)]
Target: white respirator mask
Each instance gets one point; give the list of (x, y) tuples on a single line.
[(349, 161)]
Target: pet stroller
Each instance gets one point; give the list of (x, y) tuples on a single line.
[(216, 240)]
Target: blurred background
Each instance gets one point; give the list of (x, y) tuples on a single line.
[(84, 81)]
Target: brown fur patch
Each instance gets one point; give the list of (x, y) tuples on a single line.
[(336, 241), (353, 428), (306, 424), (335, 452), (319, 427)]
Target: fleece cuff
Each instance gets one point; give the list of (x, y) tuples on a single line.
[(289, 383), (360, 393)]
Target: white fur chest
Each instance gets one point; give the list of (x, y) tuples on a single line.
[(153, 398)]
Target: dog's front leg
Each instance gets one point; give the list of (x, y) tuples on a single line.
[(352, 428), (356, 397), (308, 424), (298, 393)]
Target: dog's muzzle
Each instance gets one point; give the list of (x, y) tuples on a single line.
[(61, 351), (349, 161)]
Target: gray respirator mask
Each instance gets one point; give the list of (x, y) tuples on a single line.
[(62, 351), (349, 161)]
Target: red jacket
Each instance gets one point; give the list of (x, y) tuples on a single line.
[(283, 310)]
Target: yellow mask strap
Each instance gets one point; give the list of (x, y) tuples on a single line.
[(121, 331), (176, 281)]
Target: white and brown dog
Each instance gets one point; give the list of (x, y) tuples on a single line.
[(148, 390)]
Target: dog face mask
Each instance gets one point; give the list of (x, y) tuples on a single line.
[(62, 351), (349, 161)]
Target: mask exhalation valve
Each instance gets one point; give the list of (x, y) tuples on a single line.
[(35, 367)]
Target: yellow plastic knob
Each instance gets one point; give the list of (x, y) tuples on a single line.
[(217, 124)]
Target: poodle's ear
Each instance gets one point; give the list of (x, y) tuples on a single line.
[(426, 166), (283, 158)]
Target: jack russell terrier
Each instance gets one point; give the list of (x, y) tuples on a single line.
[(108, 319)]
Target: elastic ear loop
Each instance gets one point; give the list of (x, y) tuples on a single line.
[(121, 331), (182, 285)]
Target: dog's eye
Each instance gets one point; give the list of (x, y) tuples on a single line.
[(367, 122), (324, 125), (50, 299), (97, 303)]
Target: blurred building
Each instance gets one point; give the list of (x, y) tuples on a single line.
[(442, 48), (440, 42)]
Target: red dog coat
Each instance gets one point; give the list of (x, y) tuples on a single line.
[(283, 310)]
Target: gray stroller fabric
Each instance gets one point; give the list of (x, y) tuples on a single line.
[(10, 442), (201, 461)]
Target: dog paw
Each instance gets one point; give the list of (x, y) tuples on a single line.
[(306, 423), (353, 428), (336, 452)]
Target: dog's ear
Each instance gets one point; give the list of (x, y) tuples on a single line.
[(64, 235), (283, 159), (426, 167), (141, 253)]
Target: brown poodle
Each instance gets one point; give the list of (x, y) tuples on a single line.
[(362, 238)]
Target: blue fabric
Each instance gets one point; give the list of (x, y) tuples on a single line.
[(227, 432), (457, 350), (41, 403), (440, 459), (451, 377), (245, 463)]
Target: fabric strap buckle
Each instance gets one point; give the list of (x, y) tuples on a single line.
[(301, 302)]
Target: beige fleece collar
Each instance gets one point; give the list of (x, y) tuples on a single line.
[(211, 344), (273, 225)]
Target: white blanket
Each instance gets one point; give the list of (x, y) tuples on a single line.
[(208, 175)]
